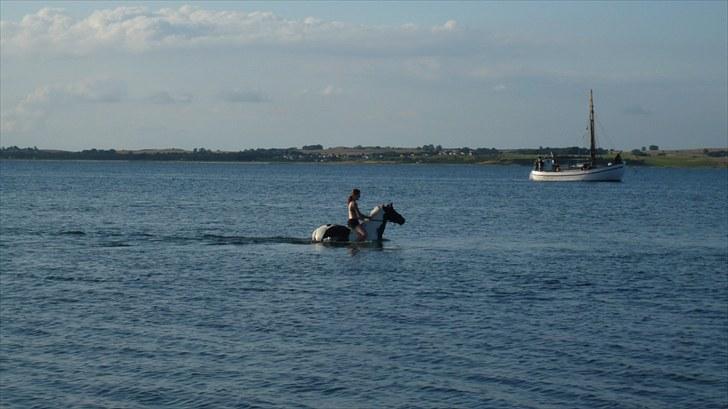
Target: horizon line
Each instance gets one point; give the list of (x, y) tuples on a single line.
[(357, 147)]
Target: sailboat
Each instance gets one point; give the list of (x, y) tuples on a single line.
[(549, 169)]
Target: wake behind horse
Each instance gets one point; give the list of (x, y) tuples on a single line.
[(378, 218)]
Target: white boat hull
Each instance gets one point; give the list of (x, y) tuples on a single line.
[(612, 173)]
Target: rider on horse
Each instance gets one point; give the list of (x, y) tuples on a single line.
[(355, 215)]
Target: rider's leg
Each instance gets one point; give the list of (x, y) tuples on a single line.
[(361, 233)]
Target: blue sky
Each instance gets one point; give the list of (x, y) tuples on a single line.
[(237, 75)]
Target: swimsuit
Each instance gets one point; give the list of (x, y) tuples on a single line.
[(353, 223)]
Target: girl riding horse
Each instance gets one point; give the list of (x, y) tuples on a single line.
[(355, 215)]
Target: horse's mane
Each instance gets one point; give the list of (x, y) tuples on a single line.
[(375, 211)]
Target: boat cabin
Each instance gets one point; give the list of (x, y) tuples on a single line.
[(547, 164)]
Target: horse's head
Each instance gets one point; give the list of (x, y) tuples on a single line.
[(391, 215)]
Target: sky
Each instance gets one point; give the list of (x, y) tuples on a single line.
[(238, 75)]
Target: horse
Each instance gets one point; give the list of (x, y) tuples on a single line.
[(378, 218)]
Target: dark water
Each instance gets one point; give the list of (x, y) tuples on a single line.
[(194, 285)]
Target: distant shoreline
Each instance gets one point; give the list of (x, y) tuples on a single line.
[(428, 154)]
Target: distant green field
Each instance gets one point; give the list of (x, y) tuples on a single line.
[(677, 159)]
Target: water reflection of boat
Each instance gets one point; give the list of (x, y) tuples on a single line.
[(549, 169)]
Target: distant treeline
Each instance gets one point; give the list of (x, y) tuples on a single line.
[(308, 153), (317, 153), (148, 155)]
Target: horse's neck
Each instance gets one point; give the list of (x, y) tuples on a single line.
[(375, 225), (376, 218)]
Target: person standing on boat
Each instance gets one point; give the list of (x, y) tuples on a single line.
[(355, 215)]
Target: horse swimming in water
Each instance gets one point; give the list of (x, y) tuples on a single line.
[(378, 218)]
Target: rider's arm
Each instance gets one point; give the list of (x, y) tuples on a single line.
[(359, 215)]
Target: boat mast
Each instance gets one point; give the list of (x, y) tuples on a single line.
[(593, 150)]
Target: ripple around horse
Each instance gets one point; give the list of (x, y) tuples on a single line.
[(378, 218)]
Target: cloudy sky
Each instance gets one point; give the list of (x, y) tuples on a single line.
[(238, 75)]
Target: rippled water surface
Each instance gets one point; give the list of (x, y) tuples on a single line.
[(195, 285)]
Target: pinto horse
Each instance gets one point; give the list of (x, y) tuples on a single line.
[(378, 218)]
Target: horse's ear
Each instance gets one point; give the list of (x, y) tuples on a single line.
[(390, 204)]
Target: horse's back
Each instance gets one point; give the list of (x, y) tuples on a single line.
[(331, 232)]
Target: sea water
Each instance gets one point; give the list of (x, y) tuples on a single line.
[(147, 285)]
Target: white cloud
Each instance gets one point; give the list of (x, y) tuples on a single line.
[(450, 25), (34, 109), (96, 90), (331, 90), (409, 27), (137, 29)]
